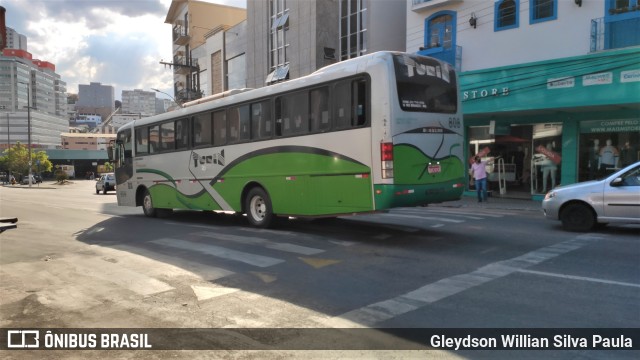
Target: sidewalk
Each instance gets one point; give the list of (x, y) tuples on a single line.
[(494, 203)]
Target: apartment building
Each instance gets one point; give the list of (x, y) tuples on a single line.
[(191, 20), (32, 98), (139, 102), (288, 39), (550, 86)]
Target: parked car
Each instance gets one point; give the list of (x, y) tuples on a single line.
[(581, 206), (106, 182), (35, 179)]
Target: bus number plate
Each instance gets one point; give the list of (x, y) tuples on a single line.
[(434, 169)]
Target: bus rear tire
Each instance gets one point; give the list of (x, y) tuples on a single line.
[(258, 208)]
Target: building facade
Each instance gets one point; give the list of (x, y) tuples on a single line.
[(15, 40), (191, 20), (31, 101), (139, 102), (548, 86), (86, 141), (288, 39)]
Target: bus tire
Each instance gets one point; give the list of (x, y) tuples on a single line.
[(258, 208), (147, 205)]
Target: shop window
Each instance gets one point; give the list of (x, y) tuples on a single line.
[(603, 152)]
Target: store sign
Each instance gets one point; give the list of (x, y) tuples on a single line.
[(608, 126), (597, 79), (561, 83), (483, 93), (630, 76)]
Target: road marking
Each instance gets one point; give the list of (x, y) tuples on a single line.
[(247, 240), (581, 278), (218, 251), (370, 315), (319, 263), (425, 218), (266, 278), (436, 212), (483, 213), (115, 273), (209, 292), (173, 266)]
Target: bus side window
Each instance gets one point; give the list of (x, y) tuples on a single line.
[(245, 122), (202, 130), (219, 128), (261, 120), (319, 99), (359, 94), (296, 113), (182, 134), (142, 141), (168, 136), (154, 139), (342, 101), (278, 115)]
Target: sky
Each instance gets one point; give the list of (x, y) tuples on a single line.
[(112, 42)]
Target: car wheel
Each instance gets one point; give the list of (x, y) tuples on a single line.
[(147, 205), (258, 208), (97, 191), (577, 217)]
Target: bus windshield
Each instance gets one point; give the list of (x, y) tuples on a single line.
[(425, 84)]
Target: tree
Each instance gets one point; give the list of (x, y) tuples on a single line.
[(16, 159), (108, 166)]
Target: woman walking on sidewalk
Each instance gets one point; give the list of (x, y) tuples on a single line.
[(479, 172)]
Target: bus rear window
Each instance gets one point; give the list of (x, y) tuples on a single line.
[(425, 85)]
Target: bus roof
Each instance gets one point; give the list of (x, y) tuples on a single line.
[(331, 72)]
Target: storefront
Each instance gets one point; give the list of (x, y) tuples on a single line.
[(553, 122)]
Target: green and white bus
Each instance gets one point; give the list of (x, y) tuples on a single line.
[(368, 134)]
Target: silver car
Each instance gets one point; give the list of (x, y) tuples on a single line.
[(581, 206)]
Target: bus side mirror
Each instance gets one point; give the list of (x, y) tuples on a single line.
[(110, 151)]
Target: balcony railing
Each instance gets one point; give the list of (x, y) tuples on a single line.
[(453, 55), (180, 35), (607, 34)]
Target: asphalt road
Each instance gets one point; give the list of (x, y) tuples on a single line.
[(77, 260)]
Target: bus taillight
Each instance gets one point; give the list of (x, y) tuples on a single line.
[(386, 155)]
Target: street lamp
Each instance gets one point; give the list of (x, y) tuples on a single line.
[(8, 149), (28, 126), (172, 98)]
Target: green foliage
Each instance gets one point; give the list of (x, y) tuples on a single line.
[(61, 176), (16, 160), (108, 167)]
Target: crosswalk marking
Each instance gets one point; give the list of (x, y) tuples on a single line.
[(209, 291), (115, 273), (483, 213), (370, 315), (221, 252), (426, 218), (180, 267), (287, 247)]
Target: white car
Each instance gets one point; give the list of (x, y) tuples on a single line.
[(613, 199), (106, 182)]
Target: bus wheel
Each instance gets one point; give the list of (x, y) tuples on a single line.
[(258, 208), (147, 205)]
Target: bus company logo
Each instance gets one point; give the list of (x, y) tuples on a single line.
[(23, 339), (217, 159)]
